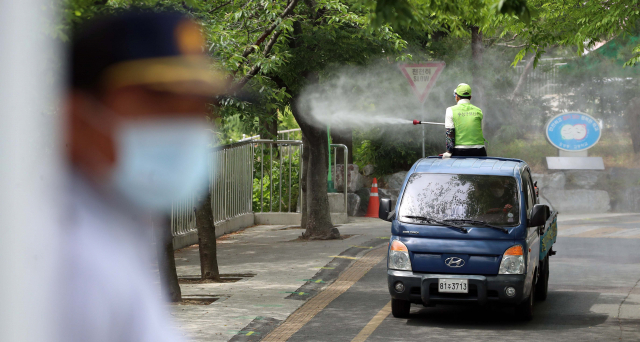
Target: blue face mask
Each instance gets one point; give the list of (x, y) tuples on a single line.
[(160, 162)]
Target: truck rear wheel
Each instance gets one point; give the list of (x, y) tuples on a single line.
[(524, 310), (542, 286), (400, 308)]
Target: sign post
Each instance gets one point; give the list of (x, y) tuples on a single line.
[(422, 77), (573, 133)]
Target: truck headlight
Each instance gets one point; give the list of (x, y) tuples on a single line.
[(512, 261), (399, 257)]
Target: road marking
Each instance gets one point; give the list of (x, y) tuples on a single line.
[(298, 293), (245, 333), (325, 268), (318, 281), (316, 304), (373, 324), (361, 247), (343, 257)]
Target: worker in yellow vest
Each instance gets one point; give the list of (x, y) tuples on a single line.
[(463, 124)]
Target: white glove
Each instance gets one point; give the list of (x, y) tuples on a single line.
[(446, 155)]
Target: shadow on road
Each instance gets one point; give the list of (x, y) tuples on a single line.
[(561, 310)]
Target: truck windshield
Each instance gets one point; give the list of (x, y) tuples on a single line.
[(491, 199)]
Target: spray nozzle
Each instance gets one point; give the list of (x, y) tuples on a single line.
[(417, 122)]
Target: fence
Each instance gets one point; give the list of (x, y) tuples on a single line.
[(252, 175), (282, 155), (542, 80), (230, 186)]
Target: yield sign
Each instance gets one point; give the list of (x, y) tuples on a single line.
[(422, 77)]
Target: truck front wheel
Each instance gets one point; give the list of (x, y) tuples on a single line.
[(524, 310), (542, 286), (400, 308)]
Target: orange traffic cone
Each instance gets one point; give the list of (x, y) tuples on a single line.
[(374, 201)]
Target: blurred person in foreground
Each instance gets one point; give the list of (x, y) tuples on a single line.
[(136, 141)]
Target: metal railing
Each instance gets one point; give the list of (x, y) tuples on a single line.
[(543, 80), (230, 187), (251, 176), (290, 134), (231, 181), (345, 153), (282, 154)]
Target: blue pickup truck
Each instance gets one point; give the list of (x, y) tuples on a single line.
[(468, 230)]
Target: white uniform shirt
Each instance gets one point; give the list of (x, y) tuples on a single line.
[(110, 294), (448, 123)]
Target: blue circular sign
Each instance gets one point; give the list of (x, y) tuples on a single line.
[(573, 131)]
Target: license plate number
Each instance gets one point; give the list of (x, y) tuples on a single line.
[(453, 285)]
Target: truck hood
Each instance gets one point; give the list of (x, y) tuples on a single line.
[(480, 250)]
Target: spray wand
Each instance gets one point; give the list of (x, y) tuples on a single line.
[(418, 122)]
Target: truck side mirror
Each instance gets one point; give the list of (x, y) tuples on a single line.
[(385, 209), (539, 215)]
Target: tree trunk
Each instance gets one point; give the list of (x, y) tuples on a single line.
[(477, 50), (318, 222), (270, 125), (523, 77), (207, 239), (303, 181), (167, 261), (344, 137)]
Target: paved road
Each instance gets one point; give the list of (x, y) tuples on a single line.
[(594, 296)]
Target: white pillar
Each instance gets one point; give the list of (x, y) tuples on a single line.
[(29, 170)]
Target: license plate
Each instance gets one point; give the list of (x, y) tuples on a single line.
[(453, 285)]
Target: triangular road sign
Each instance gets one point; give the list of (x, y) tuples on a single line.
[(422, 77)]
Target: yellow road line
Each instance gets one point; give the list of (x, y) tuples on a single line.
[(343, 257), (316, 304), (373, 324)]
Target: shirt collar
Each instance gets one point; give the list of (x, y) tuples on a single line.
[(464, 101)]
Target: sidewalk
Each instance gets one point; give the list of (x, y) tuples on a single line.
[(282, 266)]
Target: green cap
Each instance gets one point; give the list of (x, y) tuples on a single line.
[(463, 89)]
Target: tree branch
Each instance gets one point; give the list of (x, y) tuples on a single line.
[(512, 46), (220, 6), (269, 30), (523, 77), (512, 38), (256, 68)]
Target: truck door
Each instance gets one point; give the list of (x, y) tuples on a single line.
[(533, 238)]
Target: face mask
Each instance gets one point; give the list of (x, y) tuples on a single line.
[(160, 162)]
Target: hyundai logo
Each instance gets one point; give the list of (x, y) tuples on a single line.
[(454, 262)]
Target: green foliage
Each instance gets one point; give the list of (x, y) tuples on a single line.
[(518, 8), (573, 23), (390, 149), (232, 128)]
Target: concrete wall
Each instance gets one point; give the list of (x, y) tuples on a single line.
[(589, 191), (293, 218), (249, 220), (224, 227)]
